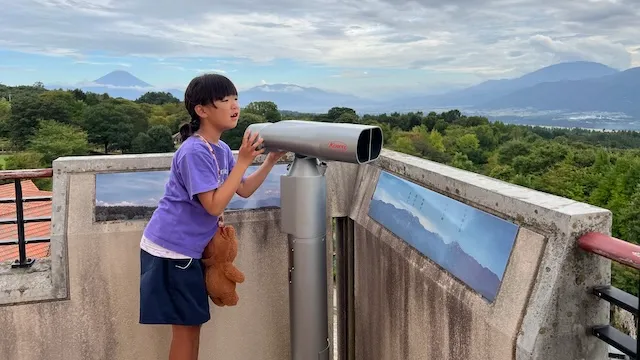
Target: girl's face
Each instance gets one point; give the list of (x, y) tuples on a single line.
[(224, 115)]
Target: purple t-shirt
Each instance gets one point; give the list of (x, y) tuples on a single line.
[(181, 223)]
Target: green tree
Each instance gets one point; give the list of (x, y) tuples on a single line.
[(342, 114), (25, 114), (405, 145), (161, 138), (141, 144), (461, 161), (436, 140), (61, 106), (267, 109), (467, 144), (513, 149), (54, 139), (135, 113), (24, 160), (110, 125), (157, 98), (630, 218), (5, 114)]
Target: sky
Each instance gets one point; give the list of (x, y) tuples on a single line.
[(362, 47), (486, 237)]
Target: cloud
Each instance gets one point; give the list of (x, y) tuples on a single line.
[(217, 71), (102, 63), (482, 38), (14, 68), (383, 195)]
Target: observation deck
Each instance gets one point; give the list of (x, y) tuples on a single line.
[(426, 262)]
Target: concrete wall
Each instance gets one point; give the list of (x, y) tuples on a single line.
[(407, 307), (82, 303)]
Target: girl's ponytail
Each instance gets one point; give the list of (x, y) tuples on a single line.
[(187, 129)]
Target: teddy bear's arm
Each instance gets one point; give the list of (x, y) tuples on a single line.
[(233, 273)]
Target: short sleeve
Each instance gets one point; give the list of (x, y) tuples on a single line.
[(198, 171)]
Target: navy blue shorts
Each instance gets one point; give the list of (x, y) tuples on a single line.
[(172, 291)]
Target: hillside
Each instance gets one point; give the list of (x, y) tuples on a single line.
[(494, 89), (619, 92), (572, 87), (299, 98)]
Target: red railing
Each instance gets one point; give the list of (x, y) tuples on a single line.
[(625, 253), (614, 249), (17, 176)]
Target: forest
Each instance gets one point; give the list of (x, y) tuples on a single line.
[(596, 167)]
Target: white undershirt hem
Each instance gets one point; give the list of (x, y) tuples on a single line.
[(157, 250)]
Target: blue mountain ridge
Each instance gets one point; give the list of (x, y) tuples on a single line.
[(450, 257), (496, 89), (569, 86), (619, 92)]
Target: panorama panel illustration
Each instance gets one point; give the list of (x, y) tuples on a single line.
[(471, 244), (135, 195)]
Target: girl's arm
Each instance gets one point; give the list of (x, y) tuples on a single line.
[(215, 201), (253, 181)]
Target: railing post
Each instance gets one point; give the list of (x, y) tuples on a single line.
[(23, 261), (344, 285), (628, 254)]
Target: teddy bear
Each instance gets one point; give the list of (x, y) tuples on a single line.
[(221, 276)]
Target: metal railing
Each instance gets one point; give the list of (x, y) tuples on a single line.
[(17, 176), (627, 254)]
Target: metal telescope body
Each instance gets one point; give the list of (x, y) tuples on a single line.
[(303, 206)]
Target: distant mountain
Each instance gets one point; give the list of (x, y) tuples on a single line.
[(121, 78), (292, 97), (571, 86), (618, 92), (118, 83), (494, 89), (299, 98), (450, 256)]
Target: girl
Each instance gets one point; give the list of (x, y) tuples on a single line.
[(204, 177)]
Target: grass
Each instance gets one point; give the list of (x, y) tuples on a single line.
[(3, 161)]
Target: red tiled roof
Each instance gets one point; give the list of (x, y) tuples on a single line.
[(32, 230)]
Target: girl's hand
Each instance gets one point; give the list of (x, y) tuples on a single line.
[(247, 152), (273, 157)]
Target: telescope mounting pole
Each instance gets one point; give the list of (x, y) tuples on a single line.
[(303, 207)]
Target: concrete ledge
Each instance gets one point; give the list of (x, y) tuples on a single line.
[(50, 279), (25, 285), (127, 163), (94, 266), (551, 318), (525, 206)]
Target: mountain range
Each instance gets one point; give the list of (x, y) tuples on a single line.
[(568, 87), (449, 256)]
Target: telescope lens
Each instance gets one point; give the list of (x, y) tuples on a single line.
[(369, 145)]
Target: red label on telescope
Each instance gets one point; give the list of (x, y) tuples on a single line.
[(338, 145)]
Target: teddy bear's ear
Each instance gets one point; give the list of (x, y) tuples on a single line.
[(229, 231), (232, 231)]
